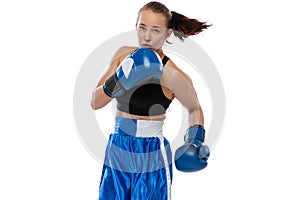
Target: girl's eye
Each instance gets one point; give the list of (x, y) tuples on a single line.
[(142, 28), (156, 30)]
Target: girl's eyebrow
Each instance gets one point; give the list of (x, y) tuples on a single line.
[(142, 24)]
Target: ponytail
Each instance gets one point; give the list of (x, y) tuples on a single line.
[(183, 26)]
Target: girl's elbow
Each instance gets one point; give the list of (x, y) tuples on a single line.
[(93, 105)]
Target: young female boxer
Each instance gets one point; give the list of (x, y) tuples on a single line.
[(138, 157)]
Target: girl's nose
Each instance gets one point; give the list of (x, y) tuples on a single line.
[(147, 36)]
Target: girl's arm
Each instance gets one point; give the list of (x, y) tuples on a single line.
[(99, 98), (182, 88)]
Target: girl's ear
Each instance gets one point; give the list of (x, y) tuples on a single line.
[(170, 31)]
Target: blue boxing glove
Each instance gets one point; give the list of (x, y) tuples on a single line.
[(137, 67), (193, 155)]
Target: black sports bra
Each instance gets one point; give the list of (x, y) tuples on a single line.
[(145, 100)]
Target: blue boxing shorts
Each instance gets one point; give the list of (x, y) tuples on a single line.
[(138, 162)]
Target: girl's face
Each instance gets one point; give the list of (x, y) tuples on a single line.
[(151, 29)]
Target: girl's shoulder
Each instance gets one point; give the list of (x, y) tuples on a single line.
[(172, 71), (124, 51)]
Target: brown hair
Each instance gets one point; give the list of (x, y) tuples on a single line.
[(182, 26)]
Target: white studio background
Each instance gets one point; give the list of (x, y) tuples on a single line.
[(254, 45)]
